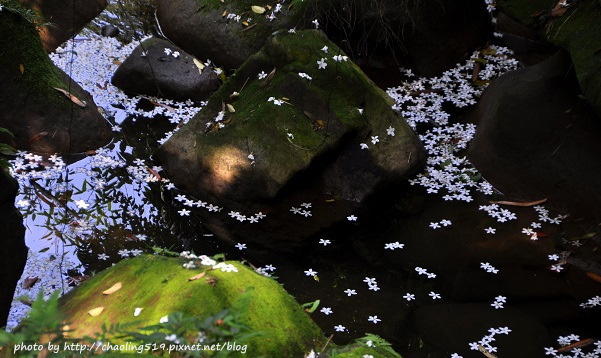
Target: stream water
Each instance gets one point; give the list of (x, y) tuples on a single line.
[(435, 262)]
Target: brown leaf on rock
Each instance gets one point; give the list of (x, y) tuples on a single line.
[(196, 277), (71, 97), (96, 311), (116, 287)]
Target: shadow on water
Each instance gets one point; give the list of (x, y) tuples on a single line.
[(540, 304)]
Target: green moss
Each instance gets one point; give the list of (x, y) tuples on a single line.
[(579, 32), (22, 49), (160, 285)]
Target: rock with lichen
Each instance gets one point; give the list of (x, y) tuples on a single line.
[(34, 97), (298, 122), (160, 286)]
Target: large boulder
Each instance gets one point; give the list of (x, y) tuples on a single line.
[(14, 252), (537, 138), (304, 127), (575, 29), (161, 286), (158, 68), (42, 118), (64, 18), (364, 28)]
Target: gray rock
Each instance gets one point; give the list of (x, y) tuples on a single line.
[(14, 252), (150, 70)]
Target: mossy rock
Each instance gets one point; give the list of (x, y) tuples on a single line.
[(306, 149), (161, 286), (577, 31), (42, 118), (201, 27)]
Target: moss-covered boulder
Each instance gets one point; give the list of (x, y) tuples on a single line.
[(300, 134), (64, 18), (158, 68), (14, 252), (576, 30), (42, 118), (161, 286)]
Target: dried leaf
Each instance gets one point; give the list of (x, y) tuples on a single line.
[(594, 276), (21, 68), (257, 9), (37, 137), (117, 62), (96, 311), (26, 302), (244, 23), (29, 282), (71, 97), (199, 65), (579, 344), (91, 152), (476, 72), (520, 203), (116, 287), (230, 108), (224, 13), (196, 277), (154, 173), (486, 352)]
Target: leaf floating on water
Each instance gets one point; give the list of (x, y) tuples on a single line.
[(154, 173), (96, 311), (29, 282), (21, 68), (196, 277), (485, 352), (594, 276), (258, 9), (116, 287), (579, 344), (520, 203), (71, 97)]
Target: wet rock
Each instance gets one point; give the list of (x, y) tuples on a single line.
[(537, 138), (450, 327), (291, 140), (42, 118), (576, 31), (161, 286), (14, 252), (66, 18), (158, 68)]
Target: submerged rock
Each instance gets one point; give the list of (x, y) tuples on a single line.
[(65, 18), (42, 118), (536, 138), (158, 68), (14, 252), (160, 286), (299, 134)]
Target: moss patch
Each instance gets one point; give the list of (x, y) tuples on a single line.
[(160, 285), (24, 58), (579, 32)]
